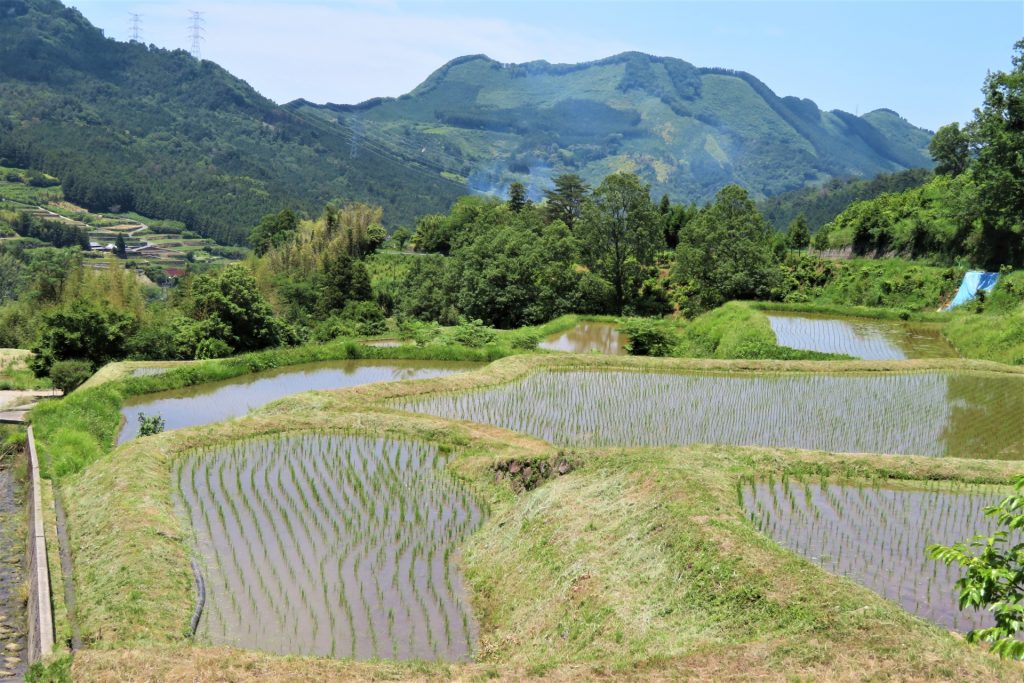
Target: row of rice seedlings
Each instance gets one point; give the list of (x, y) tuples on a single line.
[(332, 545), (871, 340), (930, 413), (877, 536)]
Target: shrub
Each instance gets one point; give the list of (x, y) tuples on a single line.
[(649, 337), (471, 333), (68, 375), (150, 424)]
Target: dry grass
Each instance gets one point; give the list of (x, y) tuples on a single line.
[(114, 371)]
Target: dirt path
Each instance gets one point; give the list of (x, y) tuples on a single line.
[(12, 579), (11, 399)]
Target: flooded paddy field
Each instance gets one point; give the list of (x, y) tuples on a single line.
[(13, 590), (939, 413), (588, 337), (215, 401), (331, 545), (877, 537), (859, 337)]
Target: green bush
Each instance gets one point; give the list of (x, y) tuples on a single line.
[(150, 424), (471, 333), (649, 337), (68, 375)]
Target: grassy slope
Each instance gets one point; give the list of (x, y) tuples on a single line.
[(996, 332), (887, 283), (636, 564), (738, 330)]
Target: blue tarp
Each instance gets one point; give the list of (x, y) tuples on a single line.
[(974, 280)]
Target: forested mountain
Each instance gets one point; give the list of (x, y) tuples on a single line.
[(155, 131), (134, 127), (687, 131)]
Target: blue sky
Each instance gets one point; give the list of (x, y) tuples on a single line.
[(926, 60)]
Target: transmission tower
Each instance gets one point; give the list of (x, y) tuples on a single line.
[(196, 30), (135, 27)]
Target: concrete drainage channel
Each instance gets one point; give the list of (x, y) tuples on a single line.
[(40, 606)]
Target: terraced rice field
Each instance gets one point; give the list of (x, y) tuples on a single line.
[(924, 413), (588, 337), (877, 537), (216, 401), (331, 545), (860, 337)]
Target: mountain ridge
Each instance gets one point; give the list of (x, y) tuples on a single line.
[(136, 127), (472, 93)]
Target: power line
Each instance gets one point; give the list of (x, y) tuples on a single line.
[(135, 26), (196, 30)]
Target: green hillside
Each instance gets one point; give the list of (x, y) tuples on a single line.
[(128, 127), (820, 204), (685, 130)]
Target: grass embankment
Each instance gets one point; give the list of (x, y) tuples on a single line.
[(636, 564), (738, 330), (994, 328), (83, 426), (849, 311)]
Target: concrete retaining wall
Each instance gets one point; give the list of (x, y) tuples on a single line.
[(40, 608)]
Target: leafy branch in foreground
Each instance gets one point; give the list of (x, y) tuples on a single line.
[(995, 575)]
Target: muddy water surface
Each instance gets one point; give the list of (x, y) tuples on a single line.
[(860, 337), (216, 401), (588, 338), (968, 415), (331, 545), (877, 537)]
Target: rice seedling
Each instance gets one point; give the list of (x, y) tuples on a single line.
[(877, 536), (215, 401), (925, 413), (869, 339), (331, 545)]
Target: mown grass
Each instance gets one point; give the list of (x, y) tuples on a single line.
[(636, 564), (577, 604), (850, 311)]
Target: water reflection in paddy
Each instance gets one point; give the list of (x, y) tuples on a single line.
[(215, 401), (587, 337)]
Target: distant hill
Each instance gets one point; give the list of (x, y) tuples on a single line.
[(130, 127), (686, 130)]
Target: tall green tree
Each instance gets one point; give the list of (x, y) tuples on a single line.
[(620, 233), (273, 230), (82, 330), (997, 134), (565, 201), (227, 306), (120, 248), (344, 279), (516, 197), (950, 148), (798, 236), (725, 253)]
